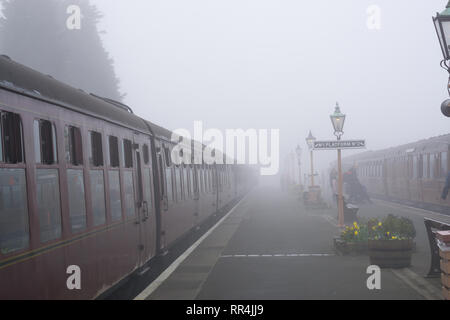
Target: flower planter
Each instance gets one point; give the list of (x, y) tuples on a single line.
[(390, 253), (350, 248)]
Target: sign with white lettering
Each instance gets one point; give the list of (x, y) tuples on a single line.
[(337, 144)]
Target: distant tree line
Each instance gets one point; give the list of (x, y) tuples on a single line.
[(35, 33)]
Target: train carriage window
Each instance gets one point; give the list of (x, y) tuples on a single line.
[(201, 173), (186, 182), (169, 185), (114, 195), (210, 180), (147, 187), (433, 160), (146, 154), (415, 167), (191, 179), (96, 150), (113, 143), (425, 166), (48, 204), (77, 204), (14, 226), (206, 178), (444, 165), (178, 189), (168, 157), (45, 142), (129, 200), (214, 179), (199, 179), (74, 146), (98, 197), (127, 153), (11, 142)]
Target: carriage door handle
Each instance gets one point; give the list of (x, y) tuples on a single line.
[(145, 211)]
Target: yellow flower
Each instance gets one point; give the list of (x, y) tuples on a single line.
[(380, 224), (394, 238), (388, 233), (356, 233)]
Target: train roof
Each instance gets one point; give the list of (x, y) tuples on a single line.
[(19, 78), (431, 145), (24, 80), (160, 132)]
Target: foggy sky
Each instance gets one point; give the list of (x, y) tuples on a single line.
[(281, 64)]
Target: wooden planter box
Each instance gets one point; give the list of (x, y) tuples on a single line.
[(445, 266), (350, 248), (444, 254), (445, 279), (391, 253)]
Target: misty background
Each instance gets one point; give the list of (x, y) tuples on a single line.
[(276, 64)]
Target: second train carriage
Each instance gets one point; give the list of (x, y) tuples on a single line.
[(413, 173), (85, 182)]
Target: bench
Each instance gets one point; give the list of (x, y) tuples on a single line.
[(432, 226), (350, 211)]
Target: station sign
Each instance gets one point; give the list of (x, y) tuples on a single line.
[(339, 144)]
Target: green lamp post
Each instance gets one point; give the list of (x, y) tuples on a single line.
[(338, 121), (442, 25), (310, 142)]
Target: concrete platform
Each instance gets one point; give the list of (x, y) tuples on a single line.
[(270, 247)]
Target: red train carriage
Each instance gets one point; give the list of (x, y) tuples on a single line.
[(413, 173), (86, 183)]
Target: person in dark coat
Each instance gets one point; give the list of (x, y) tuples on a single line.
[(357, 192), (446, 187)]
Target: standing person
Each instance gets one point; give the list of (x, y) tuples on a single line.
[(446, 187)]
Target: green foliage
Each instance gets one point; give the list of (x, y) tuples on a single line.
[(355, 233), (391, 228)]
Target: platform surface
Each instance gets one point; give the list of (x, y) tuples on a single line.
[(270, 247)]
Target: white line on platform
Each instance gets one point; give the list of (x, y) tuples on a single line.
[(405, 207), (163, 276), (290, 255)]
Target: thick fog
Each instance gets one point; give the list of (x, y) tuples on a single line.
[(282, 64)]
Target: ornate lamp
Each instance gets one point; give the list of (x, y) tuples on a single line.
[(338, 121)]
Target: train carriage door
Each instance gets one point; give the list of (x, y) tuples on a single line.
[(143, 202)]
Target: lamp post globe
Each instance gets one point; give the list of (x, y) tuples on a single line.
[(445, 108), (338, 121), (442, 25), (310, 140)]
